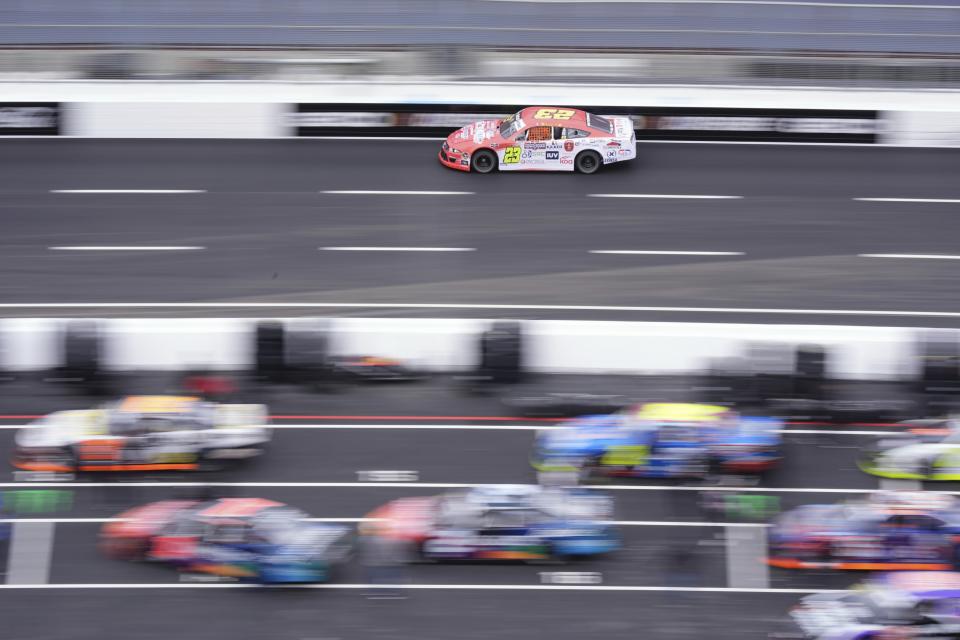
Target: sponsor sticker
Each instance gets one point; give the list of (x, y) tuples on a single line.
[(553, 155), (568, 145)]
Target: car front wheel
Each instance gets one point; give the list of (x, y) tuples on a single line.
[(484, 161)]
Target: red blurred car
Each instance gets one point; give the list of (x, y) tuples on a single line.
[(541, 139)]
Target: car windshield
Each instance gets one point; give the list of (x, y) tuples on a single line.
[(510, 125), (680, 431), (597, 122), (279, 525)]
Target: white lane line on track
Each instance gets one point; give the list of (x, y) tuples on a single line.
[(127, 248), (662, 195), (426, 249), (788, 3), (490, 427), (415, 485), (419, 587), (616, 523), (436, 305), (128, 191), (934, 200), (909, 256), (630, 252), (350, 192)]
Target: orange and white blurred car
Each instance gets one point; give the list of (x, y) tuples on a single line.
[(541, 139), (143, 433)]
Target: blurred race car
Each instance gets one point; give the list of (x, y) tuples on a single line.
[(541, 139), (928, 450), (143, 433), (893, 606), (372, 369), (660, 440), (249, 539), (888, 531), (501, 522)]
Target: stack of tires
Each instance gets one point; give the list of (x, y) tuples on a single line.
[(769, 373), (501, 357), (297, 353), (82, 358), (938, 372)]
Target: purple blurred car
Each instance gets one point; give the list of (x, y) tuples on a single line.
[(894, 606)]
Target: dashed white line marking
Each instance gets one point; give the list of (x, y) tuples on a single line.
[(353, 192), (427, 249), (127, 248), (630, 252), (909, 256), (941, 200), (661, 195), (128, 191)]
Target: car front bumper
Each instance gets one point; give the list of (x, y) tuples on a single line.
[(452, 162)]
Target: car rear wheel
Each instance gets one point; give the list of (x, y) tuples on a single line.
[(587, 162), (484, 161)]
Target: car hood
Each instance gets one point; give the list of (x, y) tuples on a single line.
[(584, 435), (146, 519), (474, 135), (62, 428)]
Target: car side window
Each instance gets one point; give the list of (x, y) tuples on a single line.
[(539, 134), (571, 133), (226, 534), (920, 521), (183, 526)]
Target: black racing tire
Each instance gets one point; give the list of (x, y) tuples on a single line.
[(483, 161), (587, 162), (208, 464)]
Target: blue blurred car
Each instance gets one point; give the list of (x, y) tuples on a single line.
[(890, 530), (894, 606), (660, 440)]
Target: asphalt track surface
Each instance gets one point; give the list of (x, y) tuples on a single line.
[(915, 26), (262, 217), (651, 584)]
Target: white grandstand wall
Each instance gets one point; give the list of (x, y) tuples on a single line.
[(556, 346), (225, 109), (922, 128), (174, 119)]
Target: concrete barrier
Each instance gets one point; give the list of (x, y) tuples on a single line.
[(558, 346), (229, 109)]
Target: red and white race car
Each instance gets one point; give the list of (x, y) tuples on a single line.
[(541, 139)]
